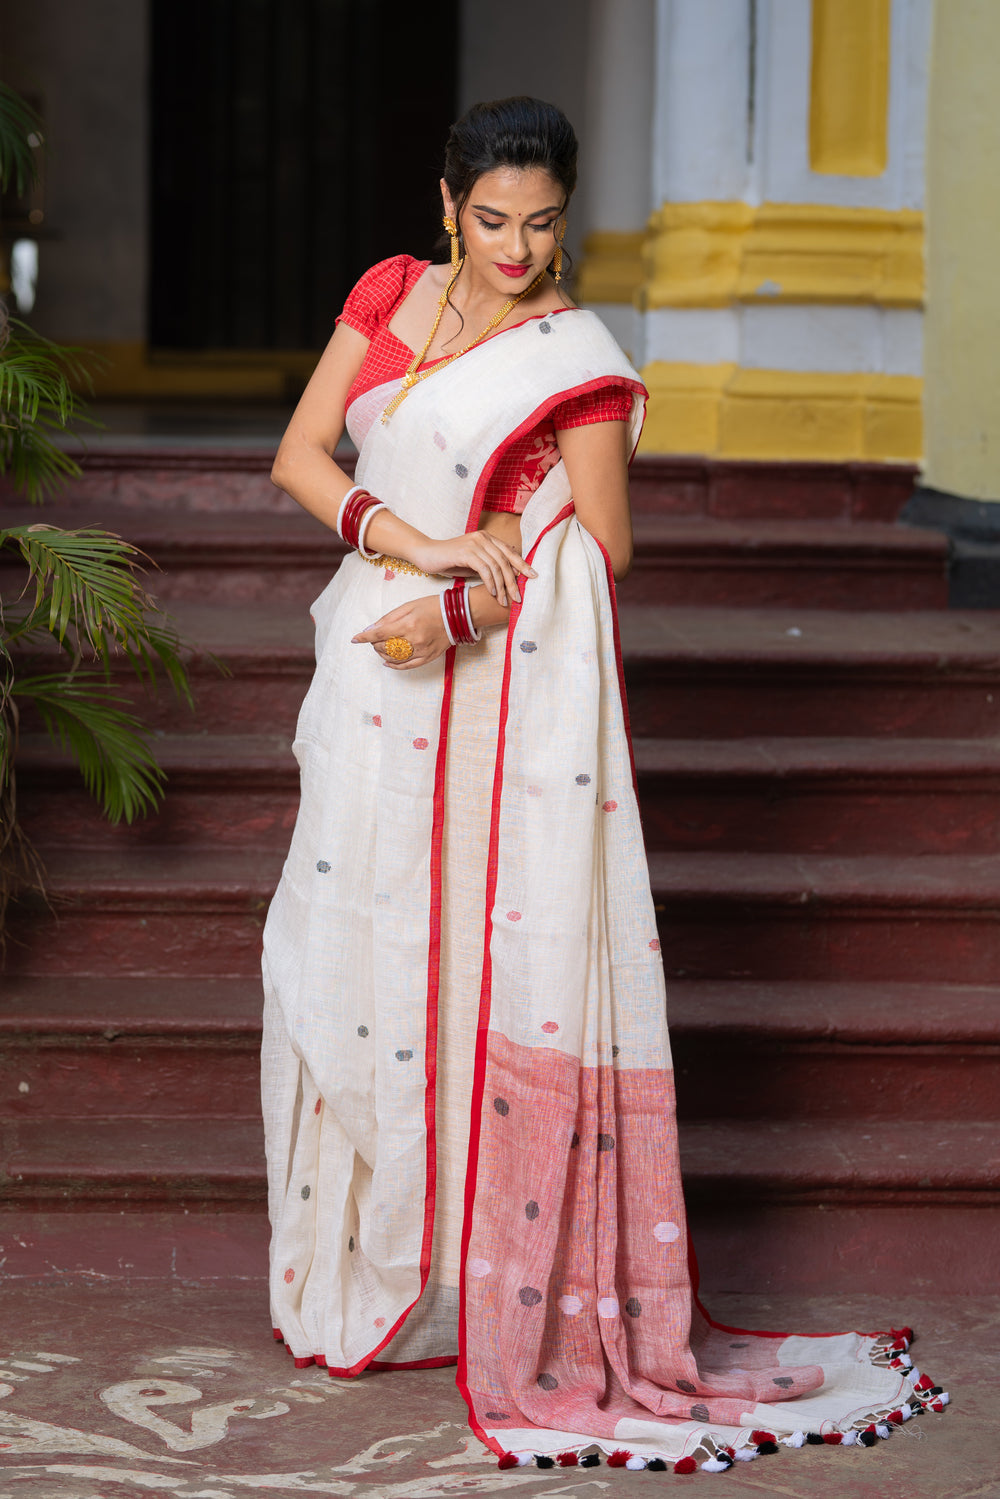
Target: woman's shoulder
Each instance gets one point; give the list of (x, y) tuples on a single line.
[(378, 292)]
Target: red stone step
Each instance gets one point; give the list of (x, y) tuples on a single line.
[(165, 912), (741, 674), (813, 1049), (748, 488), (770, 1162), (178, 1048), (223, 790), (146, 475), (802, 795), (140, 1047), (274, 556), (691, 673), (179, 911), (794, 795), (127, 1161), (873, 919), (785, 564)]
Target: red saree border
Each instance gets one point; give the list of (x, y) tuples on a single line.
[(430, 1042), (482, 1035)]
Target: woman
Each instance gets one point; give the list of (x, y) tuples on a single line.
[(467, 1082)]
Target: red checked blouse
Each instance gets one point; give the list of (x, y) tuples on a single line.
[(527, 459)]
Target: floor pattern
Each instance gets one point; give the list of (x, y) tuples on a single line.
[(111, 1393)]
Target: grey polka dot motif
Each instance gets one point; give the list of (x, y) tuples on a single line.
[(575, 1141), (322, 866), (404, 1056), (528, 646), (350, 1244), (605, 1142), (634, 1308), (496, 1416), (461, 470), (583, 780), (548, 1382), (529, 1296), (531, 1210), (686, 1386), (305, 1194), (502, 1107), (362, 1030), (545, 327), (699, 1412)]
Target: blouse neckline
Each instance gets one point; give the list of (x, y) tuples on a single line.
[(427, 363)]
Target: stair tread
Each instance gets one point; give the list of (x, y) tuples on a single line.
[(184, 872), (130, 1007), (170, 871), (240, 755), (136, 1150), (871, 1013), (805, 755), (800, 879), (287, 531), (180, 755), (861, 1013), (813, 637), (892, 1154), (280, 634)]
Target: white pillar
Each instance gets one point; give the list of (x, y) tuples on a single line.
[(701, 110), (620, 54)]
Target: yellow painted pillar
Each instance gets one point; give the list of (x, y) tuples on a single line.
[(962, 350)]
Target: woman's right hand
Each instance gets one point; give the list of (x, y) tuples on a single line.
[(479, 552)]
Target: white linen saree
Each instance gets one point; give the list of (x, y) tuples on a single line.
[(467, 1083)]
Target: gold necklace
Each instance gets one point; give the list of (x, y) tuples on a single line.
[(414, 374)]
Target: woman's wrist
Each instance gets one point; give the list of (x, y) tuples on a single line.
[(486, 611)]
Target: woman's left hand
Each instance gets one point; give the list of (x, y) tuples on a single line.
[(419, 622)]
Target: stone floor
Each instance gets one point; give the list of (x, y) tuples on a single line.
[(112, 1393)]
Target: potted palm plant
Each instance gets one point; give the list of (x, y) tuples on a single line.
[(76, 605)]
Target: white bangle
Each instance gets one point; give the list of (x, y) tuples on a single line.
[(357, 489), (444, 617), (477, 635), (363, 528)]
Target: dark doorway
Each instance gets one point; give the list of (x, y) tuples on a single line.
[(294, 143)]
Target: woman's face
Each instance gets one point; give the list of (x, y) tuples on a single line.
[(510, 226)]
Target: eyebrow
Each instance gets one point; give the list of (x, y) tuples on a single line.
[(484, 208)]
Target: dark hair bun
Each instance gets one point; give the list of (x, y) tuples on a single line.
[(518, 132)]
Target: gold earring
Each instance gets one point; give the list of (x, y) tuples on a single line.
[(557, 257), (452, 228)]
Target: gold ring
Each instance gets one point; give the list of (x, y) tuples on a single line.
[(398, 649)]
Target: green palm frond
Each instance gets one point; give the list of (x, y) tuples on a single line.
[(86, 717), (20, 131), (37, 403), (85, 583)]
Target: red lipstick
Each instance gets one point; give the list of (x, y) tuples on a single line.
[(512, 270)]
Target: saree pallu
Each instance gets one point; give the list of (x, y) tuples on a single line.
[(467, 1084)]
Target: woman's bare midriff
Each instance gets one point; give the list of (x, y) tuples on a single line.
[(503, 524)]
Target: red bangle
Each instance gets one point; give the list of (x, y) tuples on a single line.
[(355, 511), (458, 619)]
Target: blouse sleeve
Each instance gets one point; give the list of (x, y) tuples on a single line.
[(609, 404), (373, 299)]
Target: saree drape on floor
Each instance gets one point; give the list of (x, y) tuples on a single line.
[(467, 1082)]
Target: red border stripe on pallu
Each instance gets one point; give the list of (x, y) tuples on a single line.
[(431, 1030), (540, 412), (479, 1069)]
